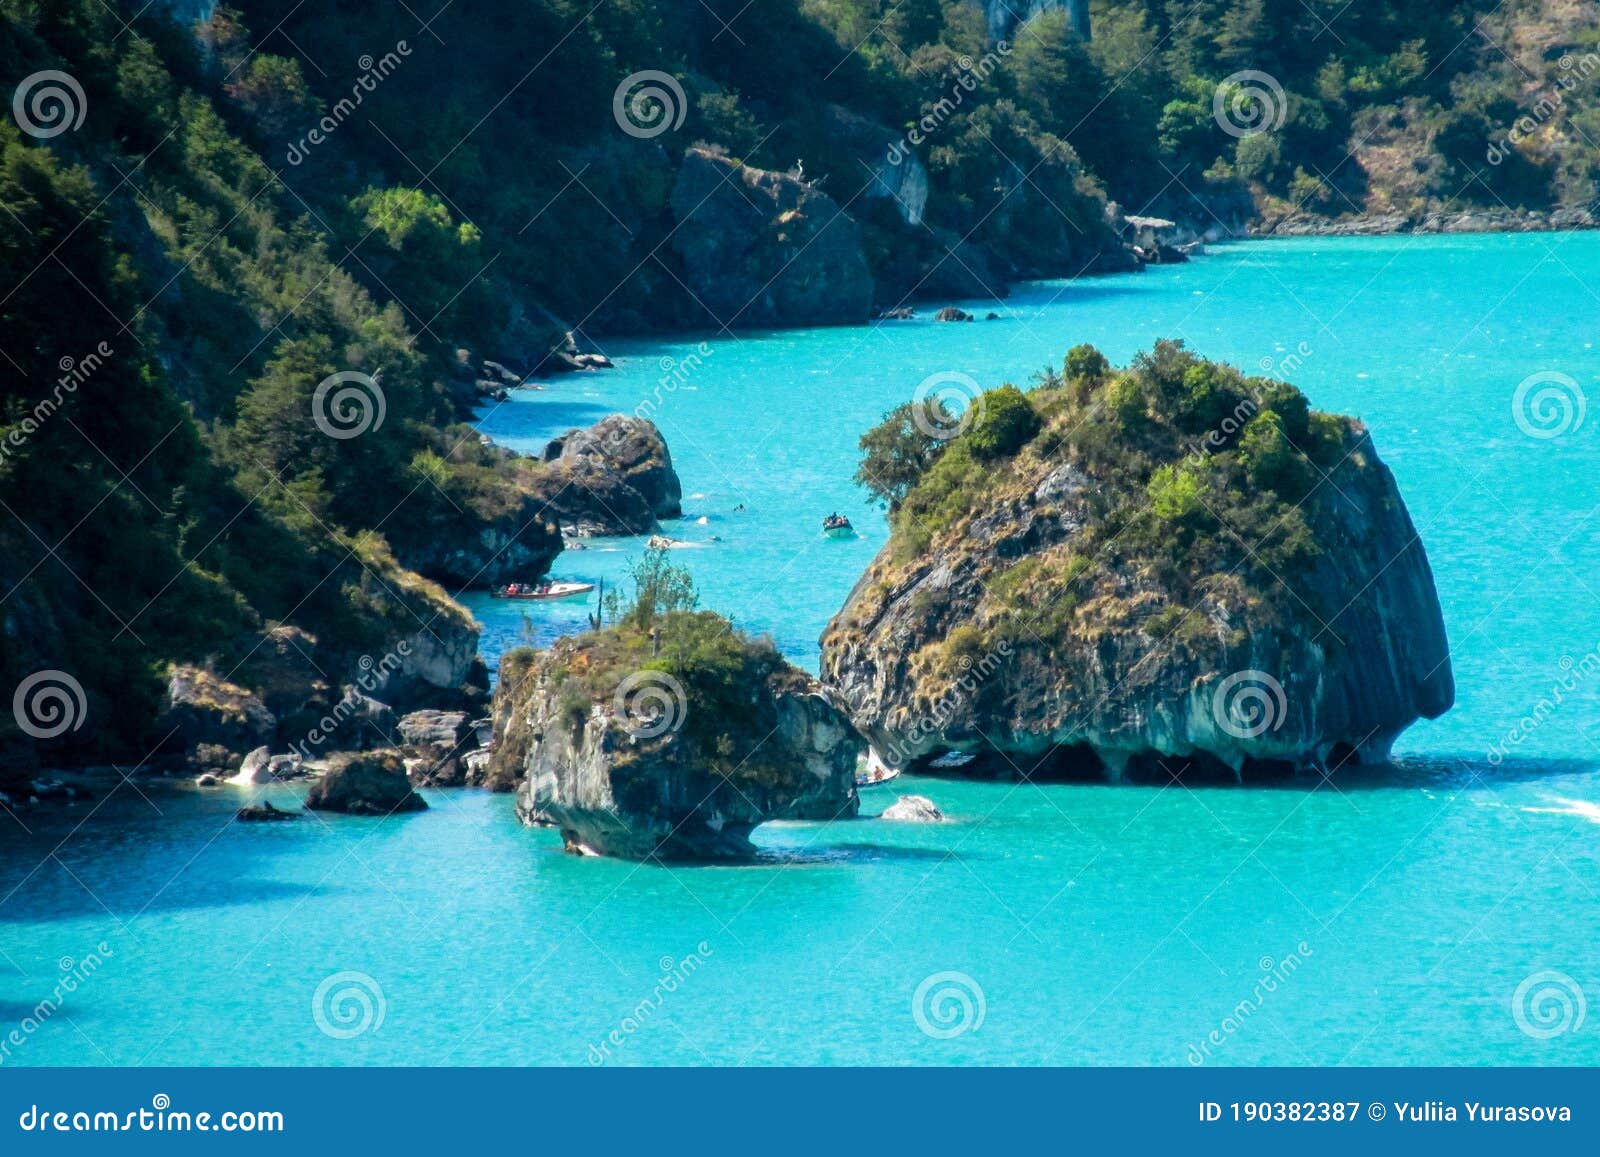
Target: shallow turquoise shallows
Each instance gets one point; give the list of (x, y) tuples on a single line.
[(1445, 910)]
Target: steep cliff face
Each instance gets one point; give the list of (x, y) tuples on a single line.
[(765, 248), (1126, 592), (676, 755), (896, 171)]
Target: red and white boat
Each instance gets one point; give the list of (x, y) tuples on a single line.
[(541, 590)]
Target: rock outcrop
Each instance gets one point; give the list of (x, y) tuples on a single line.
[(897, 173), (913, 809), (616, 477), (370, 784), (762, 248), (639, 755), (202, 708), (436, 746), (505, 531), (1171, 571)]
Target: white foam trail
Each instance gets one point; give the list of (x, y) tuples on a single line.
[(1583, 808)]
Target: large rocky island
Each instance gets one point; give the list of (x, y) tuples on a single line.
[(1172, 570)]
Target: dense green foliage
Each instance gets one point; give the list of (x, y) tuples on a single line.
[(170, 311), (692, 665), (1190, 473)]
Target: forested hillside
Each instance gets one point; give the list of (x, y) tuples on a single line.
[(213, 212)]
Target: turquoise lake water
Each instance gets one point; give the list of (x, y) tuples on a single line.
[(1443, 910)]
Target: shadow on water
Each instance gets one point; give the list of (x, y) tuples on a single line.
[(561, 414), (1444, 772), (45, 901), (1464, 773), (1439, 773), (834, 855), (118, 854)]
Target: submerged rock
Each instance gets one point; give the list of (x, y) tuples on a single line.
[(915, 809), (642, 755), (264, 812), (1169, 571), (368, 784)]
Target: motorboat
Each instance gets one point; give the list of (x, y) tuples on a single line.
[(541, 590)]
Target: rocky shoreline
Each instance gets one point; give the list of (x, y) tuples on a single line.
[(1436, 221)]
